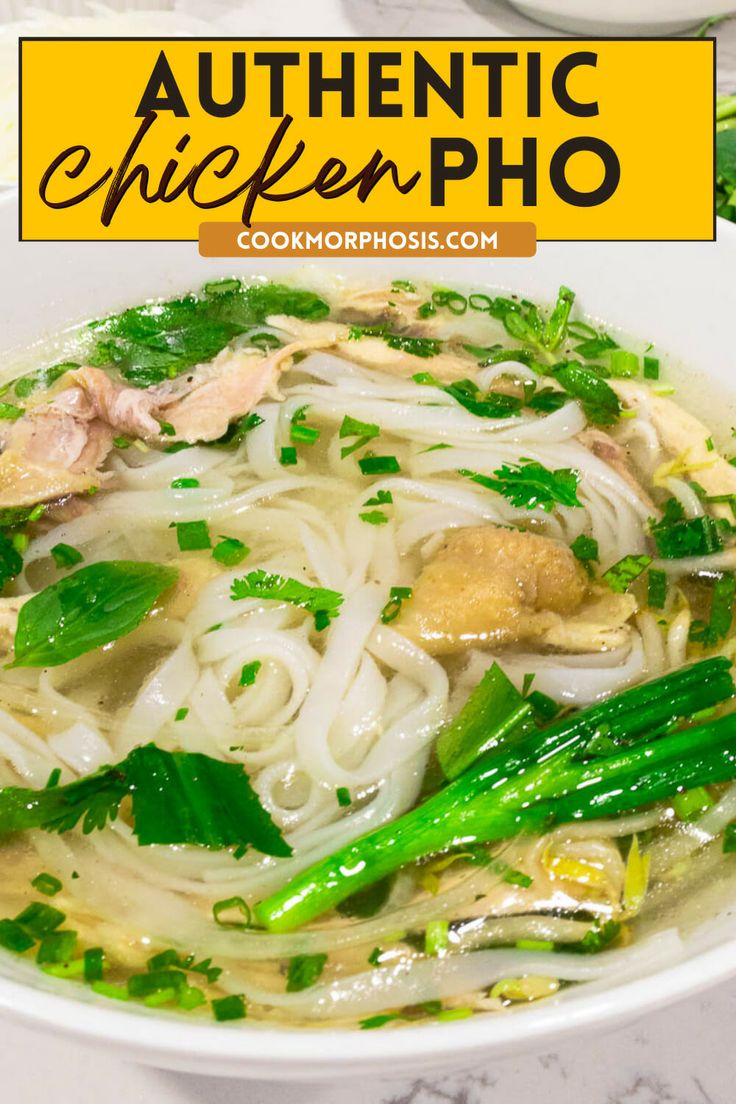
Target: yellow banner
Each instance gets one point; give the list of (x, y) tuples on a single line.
[(146, 139)]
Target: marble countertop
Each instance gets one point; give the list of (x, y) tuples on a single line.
[(683, 1055)]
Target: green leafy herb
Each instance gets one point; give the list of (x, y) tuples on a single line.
[(181, 713), (66, 556), (363, 431), (11, 561), (596, 939), (236, 432), (402, 285), (396, 597), (177, 797), (492, 404), (598, 400), (230, 551), (157, 341), (374, 517), (379, 465), (249, 672), (382, 498), (656, 588), (93, 606), (621, 575), (185, 483), (304, 971), (585, 549), (676, 536), (423, 347), (42, 379), (47, 884), (531, 486), (9, 412), (555, 329), (192, 536), (323, 604), (723, 594)]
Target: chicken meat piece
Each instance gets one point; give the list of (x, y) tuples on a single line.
[(9, 610), (683, 438), (381, 304), (490, 587), (614, 454), (374, 352), (49, 454)]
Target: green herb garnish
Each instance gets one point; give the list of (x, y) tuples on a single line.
[(323, 604), (531, 486)]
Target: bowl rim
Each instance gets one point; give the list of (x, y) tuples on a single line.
[(287, 1053)]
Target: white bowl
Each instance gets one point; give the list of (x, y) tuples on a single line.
[(622, 17), (680, 296)]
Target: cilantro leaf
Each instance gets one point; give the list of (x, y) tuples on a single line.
[(177, 798), (322, 603), (531, 486)]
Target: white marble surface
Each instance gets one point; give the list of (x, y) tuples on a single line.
[(683, 1055)]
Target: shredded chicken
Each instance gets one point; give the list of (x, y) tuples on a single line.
[(614, 454), (684, 438), (50, 453), (382, 304), (492, 586), (374, 352)]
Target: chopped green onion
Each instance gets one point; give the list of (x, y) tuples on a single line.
[(249, 672), (304, 971), (66, 556), (184, 483), (374, 957), (181, 713), (621, 575), (229, 1008), (229, 905), (190, 997), (9, 412), (729, 840), (452, 300), (677, 536), (113, 992), (56, 946), (379, 465), (623, 364), (230, 551), (288, 457), (534, 945), (159, 998), (447, 1015), (651, 367), (94, 964), (47, 884), (192, 536), (167, 429), (402, 285), (379, 1021), (352, 427), (723, 595), (436, 937), (691, 804), (397, 596), (343, 796), (15, 938), (40, 919), (709, 444), (155, 981), (300, 433)]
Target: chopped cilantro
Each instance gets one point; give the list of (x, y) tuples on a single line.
[(323, 604), (656, 588), (374, 517), (182, 713), (585, 549), (621, 575), (363, 431), (531, 486)]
